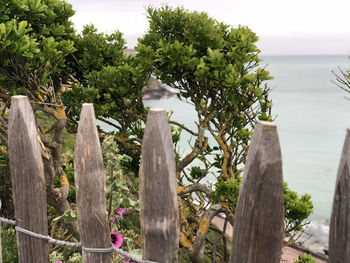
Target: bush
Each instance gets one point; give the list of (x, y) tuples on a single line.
[(9, 246), (306, 258)]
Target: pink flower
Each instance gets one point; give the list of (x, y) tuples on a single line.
[(58, 261), (119, 212), (117, 239), (113, 219)]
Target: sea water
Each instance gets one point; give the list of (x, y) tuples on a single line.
[(312, 115)]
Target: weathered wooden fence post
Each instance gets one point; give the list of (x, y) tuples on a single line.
[(258, 226), (339, 229), (91, 189), (28, 181), (158, 195)]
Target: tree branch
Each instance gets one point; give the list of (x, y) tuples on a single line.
[(193, 188), (183, 127), (198, 244)]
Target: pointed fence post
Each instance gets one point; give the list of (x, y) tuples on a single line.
[(28, 181), (339, 229), (91, 189), (258, 225), (158, 195)]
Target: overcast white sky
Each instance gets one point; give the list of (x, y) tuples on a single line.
[(284, 27)]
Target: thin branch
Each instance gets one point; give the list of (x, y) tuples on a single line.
[(108, 122), (183, 127), (197, 150), (195, 187), (126, 142)]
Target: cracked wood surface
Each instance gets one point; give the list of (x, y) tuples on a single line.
[(258, 225), (158, 195), (28, 181), (91, 189)]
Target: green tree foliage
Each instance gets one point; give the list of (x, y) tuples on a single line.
[(108, 77), (113, 81), (296, 210), (35, 38)]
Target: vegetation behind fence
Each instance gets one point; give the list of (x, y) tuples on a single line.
[(258, 224)]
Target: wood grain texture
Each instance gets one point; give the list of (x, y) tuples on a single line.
[(339, 229), (28, 181), (91, 189), (158, 195), (258, 226)]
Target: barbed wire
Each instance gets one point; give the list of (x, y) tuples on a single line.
[(74, 245)]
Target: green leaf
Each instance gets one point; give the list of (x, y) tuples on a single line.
[(28, 54), (69, 216), (2, 29), (22, 27), (4, 17)]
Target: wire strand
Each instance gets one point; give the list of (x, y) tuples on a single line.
[(70, 244)]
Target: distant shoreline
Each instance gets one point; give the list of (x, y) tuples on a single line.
[(155, 90)]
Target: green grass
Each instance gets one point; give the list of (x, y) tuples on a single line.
[(9, 246)]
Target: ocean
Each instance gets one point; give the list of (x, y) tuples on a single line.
[(312, 115)]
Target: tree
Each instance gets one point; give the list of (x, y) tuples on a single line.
[(113, 81), (215, 68), (35, 39)]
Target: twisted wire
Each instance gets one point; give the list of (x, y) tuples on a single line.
[(70, 244)]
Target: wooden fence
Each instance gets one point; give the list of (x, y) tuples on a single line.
[(258, 224)]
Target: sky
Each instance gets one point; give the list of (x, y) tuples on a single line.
[(284, 27)]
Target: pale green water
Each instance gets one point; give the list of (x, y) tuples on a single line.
[(312, 116)]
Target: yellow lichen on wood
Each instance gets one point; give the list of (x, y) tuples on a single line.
[(42, 148), (64, 180), (182, 210), (41, 90), (2, 150), (49, 128), (60, 113), (225, 205), (204, 226), (231, 216), (180, 189), (139, 241), (40, 97), (185, 242)]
